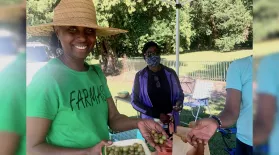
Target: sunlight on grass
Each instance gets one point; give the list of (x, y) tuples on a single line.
[(210, 56), (126, 109), (260, 49), (118, 86), (265, 48)]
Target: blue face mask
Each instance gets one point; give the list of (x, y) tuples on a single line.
[(153, 61)]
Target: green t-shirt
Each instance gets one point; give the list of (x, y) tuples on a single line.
[(13, 100), (74, 101)]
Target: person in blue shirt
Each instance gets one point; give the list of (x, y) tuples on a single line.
[(266, 122), (238, 109)]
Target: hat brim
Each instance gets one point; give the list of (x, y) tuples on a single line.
[(47, 29), (11, 13)]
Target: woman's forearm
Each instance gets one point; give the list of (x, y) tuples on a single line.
[(9, 142), (47, 149), (124, 123)]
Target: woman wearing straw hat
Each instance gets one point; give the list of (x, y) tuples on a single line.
[(12, 85), (69, 105)]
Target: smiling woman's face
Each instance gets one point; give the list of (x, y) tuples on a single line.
[(77, 42)]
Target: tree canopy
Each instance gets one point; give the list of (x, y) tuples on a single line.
[(204, 24)]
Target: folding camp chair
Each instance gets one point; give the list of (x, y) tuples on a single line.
[(200, 96)]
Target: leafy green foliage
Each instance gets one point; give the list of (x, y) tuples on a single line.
[(9, 2), (220, 24), (40, 12), (204, 24), (145, 21), (266, 19)]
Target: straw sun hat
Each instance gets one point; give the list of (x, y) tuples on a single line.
[(73, 13)]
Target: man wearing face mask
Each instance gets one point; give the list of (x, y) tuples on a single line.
[(157, 92)]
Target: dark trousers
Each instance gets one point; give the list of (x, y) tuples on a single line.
[(243, 149)]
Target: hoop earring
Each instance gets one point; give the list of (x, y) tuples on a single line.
[(59, 50)]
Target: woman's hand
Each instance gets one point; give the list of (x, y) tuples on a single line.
[(146, 126), (196, 151), (201, 131), (165, 118), (178, 106), (97, 149)]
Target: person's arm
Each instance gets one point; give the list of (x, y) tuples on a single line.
[(205, 128), (232, 108), (230, 113), (137, 103), (179, 102), (119, 122), (264, 118), (37, 129), (181, 94), (9, 142), (233, 98), (267, 89), (116, 121)]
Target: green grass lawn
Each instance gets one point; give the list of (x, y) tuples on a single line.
[(210, 56), (204, 56), (264, 48), (118, 86)]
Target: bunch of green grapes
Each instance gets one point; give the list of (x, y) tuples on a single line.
[(135, 149), (159, 138)]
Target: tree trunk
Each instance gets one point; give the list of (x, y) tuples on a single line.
[(214, 32), (109, 59)]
